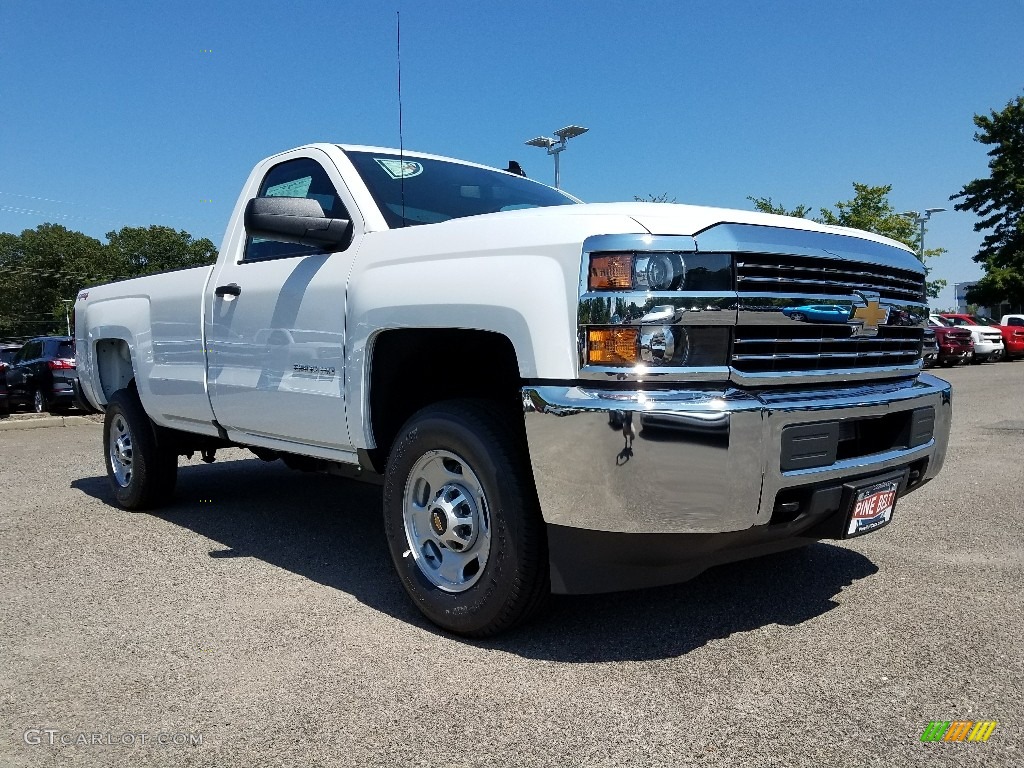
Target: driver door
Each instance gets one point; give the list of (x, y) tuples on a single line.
[(276, 326)]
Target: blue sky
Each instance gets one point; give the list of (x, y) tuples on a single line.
[(115, 114)]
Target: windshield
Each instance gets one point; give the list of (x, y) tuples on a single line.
[(417, 190), (982, 320)]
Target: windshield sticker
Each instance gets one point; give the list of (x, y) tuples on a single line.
[(295, 188), (399, 169)]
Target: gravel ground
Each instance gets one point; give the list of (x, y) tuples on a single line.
[(259, 614)]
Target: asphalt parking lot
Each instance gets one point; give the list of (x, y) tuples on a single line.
[(258, 615)]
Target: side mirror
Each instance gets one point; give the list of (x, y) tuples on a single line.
[(295, 220)]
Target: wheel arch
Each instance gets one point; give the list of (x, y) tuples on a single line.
[(114, 367), (408, 369)]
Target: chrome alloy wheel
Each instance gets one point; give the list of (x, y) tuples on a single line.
[(447, 522), (121, 450)]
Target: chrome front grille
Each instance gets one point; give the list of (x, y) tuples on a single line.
[(796, 349), (799, 306), (802, 275)]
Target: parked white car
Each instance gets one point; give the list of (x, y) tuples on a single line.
[(988, 340)]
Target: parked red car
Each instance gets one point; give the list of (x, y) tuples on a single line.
[(1013, 338), (1012, 327), (955, 344)]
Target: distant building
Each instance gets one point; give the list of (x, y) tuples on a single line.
[(1005, 308), (960, 290)]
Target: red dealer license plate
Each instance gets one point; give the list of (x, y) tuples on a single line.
[(872, 507)]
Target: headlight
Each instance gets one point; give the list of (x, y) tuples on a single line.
[(659, 271), (658, 345), (640, 271)]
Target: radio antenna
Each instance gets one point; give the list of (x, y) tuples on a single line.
[(401, 138)]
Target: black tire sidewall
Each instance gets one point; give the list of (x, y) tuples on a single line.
[(480, 609), (153, 471)]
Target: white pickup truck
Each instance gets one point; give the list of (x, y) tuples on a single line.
[(557, 397)]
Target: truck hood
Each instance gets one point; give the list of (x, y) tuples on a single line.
[(678, 219)]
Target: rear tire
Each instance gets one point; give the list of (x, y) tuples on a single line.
[(39, 402), (462, 519), (142, 473)]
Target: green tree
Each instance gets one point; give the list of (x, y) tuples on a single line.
[(648, 198), (998, 201), (144, 250), (40, 268), (766, 205), (870, 210)]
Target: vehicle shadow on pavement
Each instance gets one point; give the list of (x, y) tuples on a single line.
[(787, 588), (325, 528), (331, 531)]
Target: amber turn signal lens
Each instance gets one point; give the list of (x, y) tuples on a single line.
[(612, 346), (611, 270)]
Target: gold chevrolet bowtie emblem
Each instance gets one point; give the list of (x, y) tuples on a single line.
[(866, 319)]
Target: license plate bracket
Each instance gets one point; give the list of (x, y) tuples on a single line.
[(871, 503)]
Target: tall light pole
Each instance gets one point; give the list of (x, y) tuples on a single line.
[(921, 218), (557, 146), (67, 313)]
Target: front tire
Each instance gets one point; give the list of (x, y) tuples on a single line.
[(462, 519), (142, 473)]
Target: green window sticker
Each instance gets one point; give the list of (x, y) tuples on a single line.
[(400, 169), (294, 188)]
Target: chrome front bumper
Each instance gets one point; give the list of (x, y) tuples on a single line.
[(703, 461)]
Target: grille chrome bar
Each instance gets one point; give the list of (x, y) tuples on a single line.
[(755, 271), (778, 349)]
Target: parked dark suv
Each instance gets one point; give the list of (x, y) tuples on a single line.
[(7, 352), (42, 374)]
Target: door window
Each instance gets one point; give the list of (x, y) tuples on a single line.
[(303, 177), (30, 351)]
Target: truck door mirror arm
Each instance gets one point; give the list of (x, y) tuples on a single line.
[(295, 220)]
